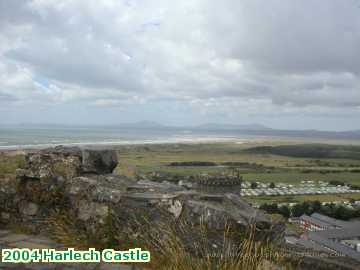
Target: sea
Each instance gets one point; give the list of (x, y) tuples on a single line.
[(43, 137)]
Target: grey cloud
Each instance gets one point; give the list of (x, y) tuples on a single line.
[(80, 63), (15, 12), (6, 98), (298, 55), (292, 36)]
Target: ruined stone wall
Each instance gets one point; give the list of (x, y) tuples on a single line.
[(81, 183)]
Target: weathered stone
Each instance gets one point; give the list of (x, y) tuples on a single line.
[(4, 232), (242, 211), (88, 210), (99, 188), (20, 173), (7, 185), (11, 238), (175, 208), (78, 182), (52, 163), (213, 215), (156, 186), (99, 161), (28, 208), (8, 193), (5, 216), (61, 163)]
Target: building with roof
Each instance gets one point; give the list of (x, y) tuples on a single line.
[(354, 244), (319, 222), (333, 235), (341, 241)]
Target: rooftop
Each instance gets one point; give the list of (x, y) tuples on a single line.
[(330, 220), (352, 230), (316, 221)]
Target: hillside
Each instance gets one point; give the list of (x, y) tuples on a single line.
[(310, 151)]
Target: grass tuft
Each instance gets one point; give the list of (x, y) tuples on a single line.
[(174, 245)]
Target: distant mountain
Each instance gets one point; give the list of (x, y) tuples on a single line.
[(310, 151), (212, 128), (141, 124), (215, 126), (260, 130)]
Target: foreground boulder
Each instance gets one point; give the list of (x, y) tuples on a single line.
[(61, 163), (99, 161)]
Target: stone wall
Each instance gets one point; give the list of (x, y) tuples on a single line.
[(81, 183)]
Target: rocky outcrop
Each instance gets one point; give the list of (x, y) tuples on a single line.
[(80, 182), (8, 198), (62, 163), (99, 161)]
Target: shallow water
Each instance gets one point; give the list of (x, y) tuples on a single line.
[(24, 137)]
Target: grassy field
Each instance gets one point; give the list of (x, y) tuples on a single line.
[(303, 198), (274, 168), (139, 159), (9, 163), (294, 177)]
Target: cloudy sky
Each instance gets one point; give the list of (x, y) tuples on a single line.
[(285, 64)]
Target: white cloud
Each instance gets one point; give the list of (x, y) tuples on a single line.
[(246, 57)]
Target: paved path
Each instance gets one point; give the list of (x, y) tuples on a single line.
[(12, 240)]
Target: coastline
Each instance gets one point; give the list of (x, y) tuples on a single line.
[(175, 140), (109, 144)]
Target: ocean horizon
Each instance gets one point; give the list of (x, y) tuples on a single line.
[(28, 138)]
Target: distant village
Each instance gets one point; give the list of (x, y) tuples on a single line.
[(305, 187), (257, 188)]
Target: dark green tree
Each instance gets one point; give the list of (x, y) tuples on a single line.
[(297, 210), (316, 206), (284, 211)]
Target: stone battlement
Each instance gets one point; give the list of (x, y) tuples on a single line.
[(220, 181)]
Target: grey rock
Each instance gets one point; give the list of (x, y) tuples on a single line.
[(107, 188), (175, 208), (212, 214), (156, 186), (7, 185), (28, 208), (61, 163), (52, 163), (5, 216), (87, 210), (99, 161), (242, 211)]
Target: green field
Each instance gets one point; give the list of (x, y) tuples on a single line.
[(294, 177), (269, 167), (303, 198), (9, 163), (262, 167)]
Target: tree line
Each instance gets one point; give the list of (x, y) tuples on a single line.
[(309, 207)]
